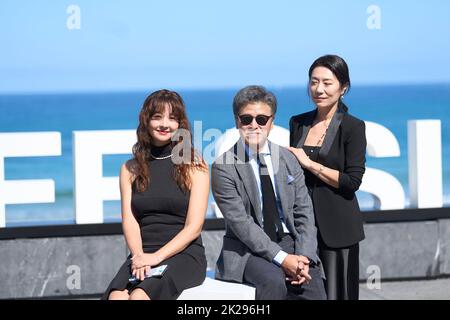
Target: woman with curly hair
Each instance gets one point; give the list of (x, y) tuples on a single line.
[(164, 195)]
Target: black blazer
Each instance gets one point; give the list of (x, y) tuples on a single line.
[(338, 217)]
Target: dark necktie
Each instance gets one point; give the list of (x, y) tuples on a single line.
[(271, 216)]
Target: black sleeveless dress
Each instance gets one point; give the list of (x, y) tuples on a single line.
[(161, 213)]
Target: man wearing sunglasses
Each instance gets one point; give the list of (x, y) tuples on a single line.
[(270, 239)]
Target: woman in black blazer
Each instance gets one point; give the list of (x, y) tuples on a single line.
[(330, 144)]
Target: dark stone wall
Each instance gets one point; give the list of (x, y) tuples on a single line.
[(84, 265)]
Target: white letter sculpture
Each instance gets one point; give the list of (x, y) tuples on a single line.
[(425, 163), (26, 144), (91, 188), (387, 191)]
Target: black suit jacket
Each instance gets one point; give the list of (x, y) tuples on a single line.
[(338, 217)]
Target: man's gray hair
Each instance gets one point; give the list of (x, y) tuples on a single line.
[(253, 94)]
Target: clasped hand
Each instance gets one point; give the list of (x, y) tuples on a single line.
[(296, 269), (141, 264)]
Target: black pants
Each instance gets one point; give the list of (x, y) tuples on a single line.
[(341, 268), (270, 280)]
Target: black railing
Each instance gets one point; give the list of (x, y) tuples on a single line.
[(79, 230)]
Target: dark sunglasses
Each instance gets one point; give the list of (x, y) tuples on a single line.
[(261, 119)]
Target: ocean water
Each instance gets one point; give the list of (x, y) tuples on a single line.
[(390, 106)]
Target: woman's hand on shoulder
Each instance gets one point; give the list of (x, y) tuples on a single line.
[(301, 156)]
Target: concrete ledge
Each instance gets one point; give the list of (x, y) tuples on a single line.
[(212, 241), (52, 267), (443, 247), (401, 250), (212, 289), (84, 265)]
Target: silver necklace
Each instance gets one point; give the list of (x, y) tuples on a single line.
[(324, 134), (160, 158)]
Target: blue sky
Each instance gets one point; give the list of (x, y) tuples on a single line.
[(200, 44)]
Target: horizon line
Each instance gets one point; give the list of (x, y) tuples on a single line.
[(200, 88)]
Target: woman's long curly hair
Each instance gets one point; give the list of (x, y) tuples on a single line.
[(156, 103)]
